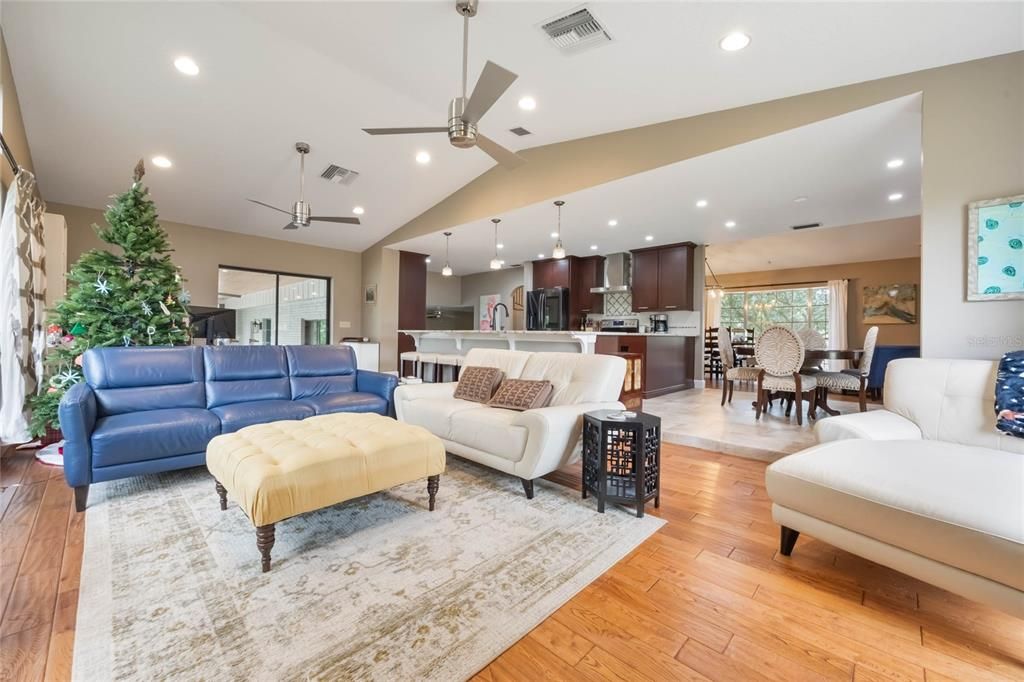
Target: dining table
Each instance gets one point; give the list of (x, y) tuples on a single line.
[(813, 358)]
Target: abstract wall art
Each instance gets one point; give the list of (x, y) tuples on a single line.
[(995, 249)]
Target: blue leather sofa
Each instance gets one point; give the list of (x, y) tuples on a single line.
[(146, 410)]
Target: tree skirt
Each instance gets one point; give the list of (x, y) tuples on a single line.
[(376, 588)]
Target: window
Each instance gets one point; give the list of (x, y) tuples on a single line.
[(793, 308), (276, 307)]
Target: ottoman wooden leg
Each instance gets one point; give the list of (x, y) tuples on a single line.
[(264, 543), (223, 492), (433, 482)]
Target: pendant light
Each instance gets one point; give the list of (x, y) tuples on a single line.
[(717, 290), (495, 262), (559, 251), (446, 271)]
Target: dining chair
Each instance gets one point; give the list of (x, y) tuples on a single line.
[(731, 370), (813, 340), (780, 355), (855, 379)]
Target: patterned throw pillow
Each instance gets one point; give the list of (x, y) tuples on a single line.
[(522, 394), (1010, 394), (478, 383)]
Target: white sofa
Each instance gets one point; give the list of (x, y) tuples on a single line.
[(526, 444), (926, 486)]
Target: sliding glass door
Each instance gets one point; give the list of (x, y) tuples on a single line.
[(276, 307)]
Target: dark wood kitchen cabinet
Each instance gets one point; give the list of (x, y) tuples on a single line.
[(587, 273), (663, 277), (645, 280), (667, 359), (551, 273)]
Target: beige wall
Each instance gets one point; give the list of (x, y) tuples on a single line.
[(860, 275), (380, 319), (486, 283), (970, 152), (443, 291), (199, 251), (12, 125)]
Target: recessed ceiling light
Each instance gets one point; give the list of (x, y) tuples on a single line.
[(554, 235), (427, 259), (593, 247), (187, 66), (701, 203), (162, 162), (649, 238), (800, 199), (527, 103), (422, 158), (734, 41), (540, 255), (359, 210), (730, 223), (895, 196), (613, 222), (894, 163), (500, 245)]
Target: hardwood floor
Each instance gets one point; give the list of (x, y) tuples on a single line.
[(707, 597)]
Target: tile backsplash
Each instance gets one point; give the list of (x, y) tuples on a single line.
[(621, 305)]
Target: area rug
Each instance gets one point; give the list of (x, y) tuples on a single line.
[(373, 589)]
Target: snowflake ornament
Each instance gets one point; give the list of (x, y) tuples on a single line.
[(102, 286), (184, 297), (146, 310)]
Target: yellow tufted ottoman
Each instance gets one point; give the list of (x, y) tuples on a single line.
[(281, 469)]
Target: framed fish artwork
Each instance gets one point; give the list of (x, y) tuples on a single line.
[(995, 249)]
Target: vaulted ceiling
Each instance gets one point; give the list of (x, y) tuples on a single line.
[(98, 89)]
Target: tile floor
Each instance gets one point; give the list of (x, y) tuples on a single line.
[(696, 418)]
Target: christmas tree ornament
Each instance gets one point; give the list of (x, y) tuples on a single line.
[(177, 276), (146, 310), (77, 329), (151, 330), (102, 286), (165, 309), (127, 340), (184, 297), (170, 299), (78, 360)]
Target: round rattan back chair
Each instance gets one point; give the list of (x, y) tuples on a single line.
[(779, 352)]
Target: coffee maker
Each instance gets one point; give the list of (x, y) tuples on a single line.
[(659, 324)]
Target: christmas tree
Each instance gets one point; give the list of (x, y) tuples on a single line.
[(131, 298)]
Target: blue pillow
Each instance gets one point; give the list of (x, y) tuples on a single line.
[(1010, 394)]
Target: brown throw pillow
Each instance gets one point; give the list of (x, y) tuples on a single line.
[(522, 394), (478, 383)]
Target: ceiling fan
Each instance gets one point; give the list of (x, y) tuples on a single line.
[(464, 114), (300, 212)]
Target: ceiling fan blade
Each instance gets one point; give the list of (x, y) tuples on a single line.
[(506, 157), (493, 83), (335, 219), (405, 131), (269, 206), (290, 226)]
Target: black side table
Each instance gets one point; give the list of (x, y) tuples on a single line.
[(622, 459)]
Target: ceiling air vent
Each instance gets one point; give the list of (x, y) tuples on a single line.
[(520, 131), (576, 31), (339, 175), (807, 226)]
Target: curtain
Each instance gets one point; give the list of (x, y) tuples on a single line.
[(713, 310), (837, 305), (22, 304)]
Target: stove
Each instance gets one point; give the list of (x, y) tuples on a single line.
[(621, 326)]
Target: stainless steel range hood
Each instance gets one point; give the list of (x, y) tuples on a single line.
[(617, 274)]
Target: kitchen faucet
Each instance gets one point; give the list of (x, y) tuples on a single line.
[(494, 317)]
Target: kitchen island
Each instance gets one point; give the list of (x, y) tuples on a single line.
[(667, 358)]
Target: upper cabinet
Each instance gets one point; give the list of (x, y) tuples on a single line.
[(663, 278), (551, 273), (587, 273)]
